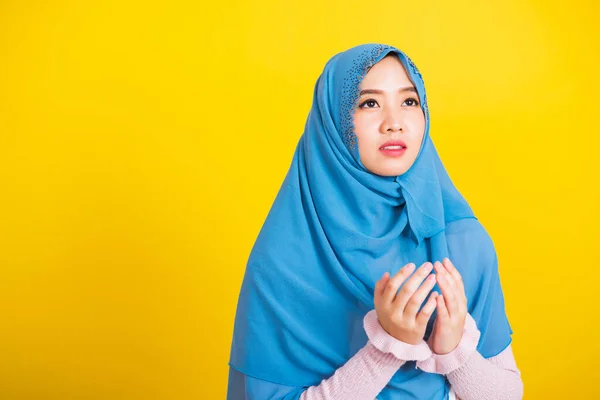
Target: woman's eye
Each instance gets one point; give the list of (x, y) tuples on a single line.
[(414, 101), (370, 103)]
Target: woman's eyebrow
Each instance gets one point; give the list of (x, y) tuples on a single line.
[(376, 91)]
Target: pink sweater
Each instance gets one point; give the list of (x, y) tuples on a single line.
[(471, 376)]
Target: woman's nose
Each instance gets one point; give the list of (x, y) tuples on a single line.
[(393, 122)]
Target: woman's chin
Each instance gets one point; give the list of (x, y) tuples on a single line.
[(389, 171)]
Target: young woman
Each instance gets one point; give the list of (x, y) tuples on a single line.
[(371, 276)]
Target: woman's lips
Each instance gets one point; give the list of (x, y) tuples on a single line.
[(393, 151)]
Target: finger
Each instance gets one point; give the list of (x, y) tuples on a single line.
[(411, 285), (394, 283), (457, 285), (455, 274), (442, 311), (379, 287), (427, 310), (415, 301), (448, 291), (441, 269)]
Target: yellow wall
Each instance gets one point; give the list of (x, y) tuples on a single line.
[(141, 146)]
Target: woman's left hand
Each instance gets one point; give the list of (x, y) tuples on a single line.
[(451, 309)]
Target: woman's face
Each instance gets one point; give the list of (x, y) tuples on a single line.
[(388, 121)]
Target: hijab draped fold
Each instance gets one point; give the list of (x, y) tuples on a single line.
[(335, 228)]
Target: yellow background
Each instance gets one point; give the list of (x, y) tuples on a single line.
[(142, 144)]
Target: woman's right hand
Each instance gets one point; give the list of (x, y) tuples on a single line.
[(398, 313)]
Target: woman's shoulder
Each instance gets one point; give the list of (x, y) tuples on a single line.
[(470, 243), (468, 228)]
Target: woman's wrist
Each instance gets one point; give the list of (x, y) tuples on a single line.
[(446, 363), (386, 343)]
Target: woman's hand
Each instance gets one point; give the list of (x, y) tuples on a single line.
[(451, 309), (397, 313)]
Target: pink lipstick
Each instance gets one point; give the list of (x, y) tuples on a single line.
[(393, 148)]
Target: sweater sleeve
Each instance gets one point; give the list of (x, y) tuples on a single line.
[(371, 368), (495, 378), (474, 377), (362, 377), (367, 373)]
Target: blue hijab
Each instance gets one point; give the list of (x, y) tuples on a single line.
[(335, 228)]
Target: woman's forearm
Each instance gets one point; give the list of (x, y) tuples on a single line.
[(362, 377), (496, 378), (371, 368), (471, 375), (474, 377)]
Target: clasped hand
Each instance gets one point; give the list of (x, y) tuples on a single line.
[(398, 311)]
